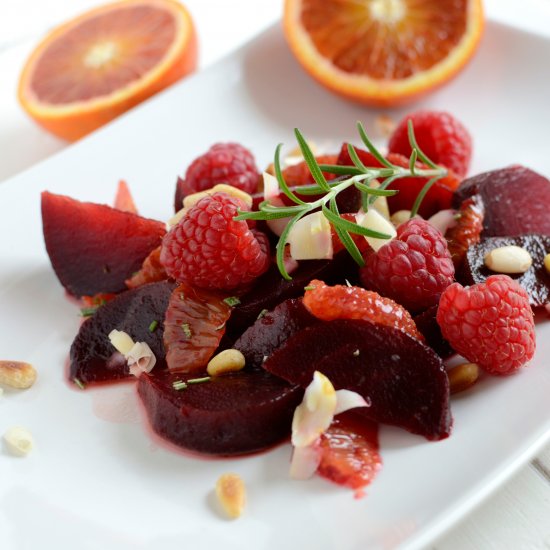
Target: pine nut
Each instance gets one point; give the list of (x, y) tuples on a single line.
[(231, 493), (508, 259), (463, 376), (17, 374), (547, 262), (19, 441), (229, 360)]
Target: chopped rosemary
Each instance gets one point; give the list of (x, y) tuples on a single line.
[(309, 287), (153, 326), (232, 301), (186, 330), (262, 314), (198, 380), (79, 383), (88, 311), (363, 178), (179, 385)]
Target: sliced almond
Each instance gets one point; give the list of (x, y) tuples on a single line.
[(17, 374), (231, 493), (508, 259)]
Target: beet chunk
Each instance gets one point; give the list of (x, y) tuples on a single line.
[(271, 289), (515, 198), (403, 380), (94, 359), (94, 248), (231, 414), (427, 324), (536, 280), (272, 330)]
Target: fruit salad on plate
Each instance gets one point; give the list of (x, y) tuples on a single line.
[(314, 301)]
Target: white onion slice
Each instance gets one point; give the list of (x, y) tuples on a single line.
[(305, 461), (443, 220), (311, 238), (375, 221)]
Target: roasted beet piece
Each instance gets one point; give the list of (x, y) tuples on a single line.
[(92, 356), (515, 198), (231, 414), (403, 380), (428, 327), (272, 330), (271, 289), (536, 280), (94, 248)]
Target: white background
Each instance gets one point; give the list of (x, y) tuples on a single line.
[(518, 515)]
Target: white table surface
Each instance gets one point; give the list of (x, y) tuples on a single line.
[(516, 516)]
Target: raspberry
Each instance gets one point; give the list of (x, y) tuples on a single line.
[(351, 302), (467, 230), (229, 163), (413, 269), (441, 136), (209, 249), (299, 174), (489, 323)]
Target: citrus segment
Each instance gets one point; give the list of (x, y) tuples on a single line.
[(93, 68), (383, 52)]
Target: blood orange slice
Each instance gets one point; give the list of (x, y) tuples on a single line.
[(383, 52), (93, 68)]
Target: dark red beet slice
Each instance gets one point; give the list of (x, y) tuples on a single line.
[(403, 380), (232, 414), (272, 330), (92, 356), (94, 248), (271, 289), (536, 280), (515, 198), (439, 196), (429, 328)]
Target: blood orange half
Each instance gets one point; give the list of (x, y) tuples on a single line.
[(95, 67), (383, 52)]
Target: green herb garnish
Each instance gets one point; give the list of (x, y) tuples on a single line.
[(179, 385), (363, 178), (198, 380), (79, 383), (186, 330), (88, 311), (262, 314), (232, 301), (153, 326)]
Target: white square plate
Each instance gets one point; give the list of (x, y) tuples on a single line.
[(97, 479)]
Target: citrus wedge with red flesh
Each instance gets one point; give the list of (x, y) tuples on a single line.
[(100, 64)]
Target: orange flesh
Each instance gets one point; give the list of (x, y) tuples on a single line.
[(103, 54), (393, 44)]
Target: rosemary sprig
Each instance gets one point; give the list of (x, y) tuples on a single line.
[(358, 175)]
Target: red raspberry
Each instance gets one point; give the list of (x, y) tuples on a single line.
[(228, 163), (441, 136), (209, 249), (413, 269), (489, 323)]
